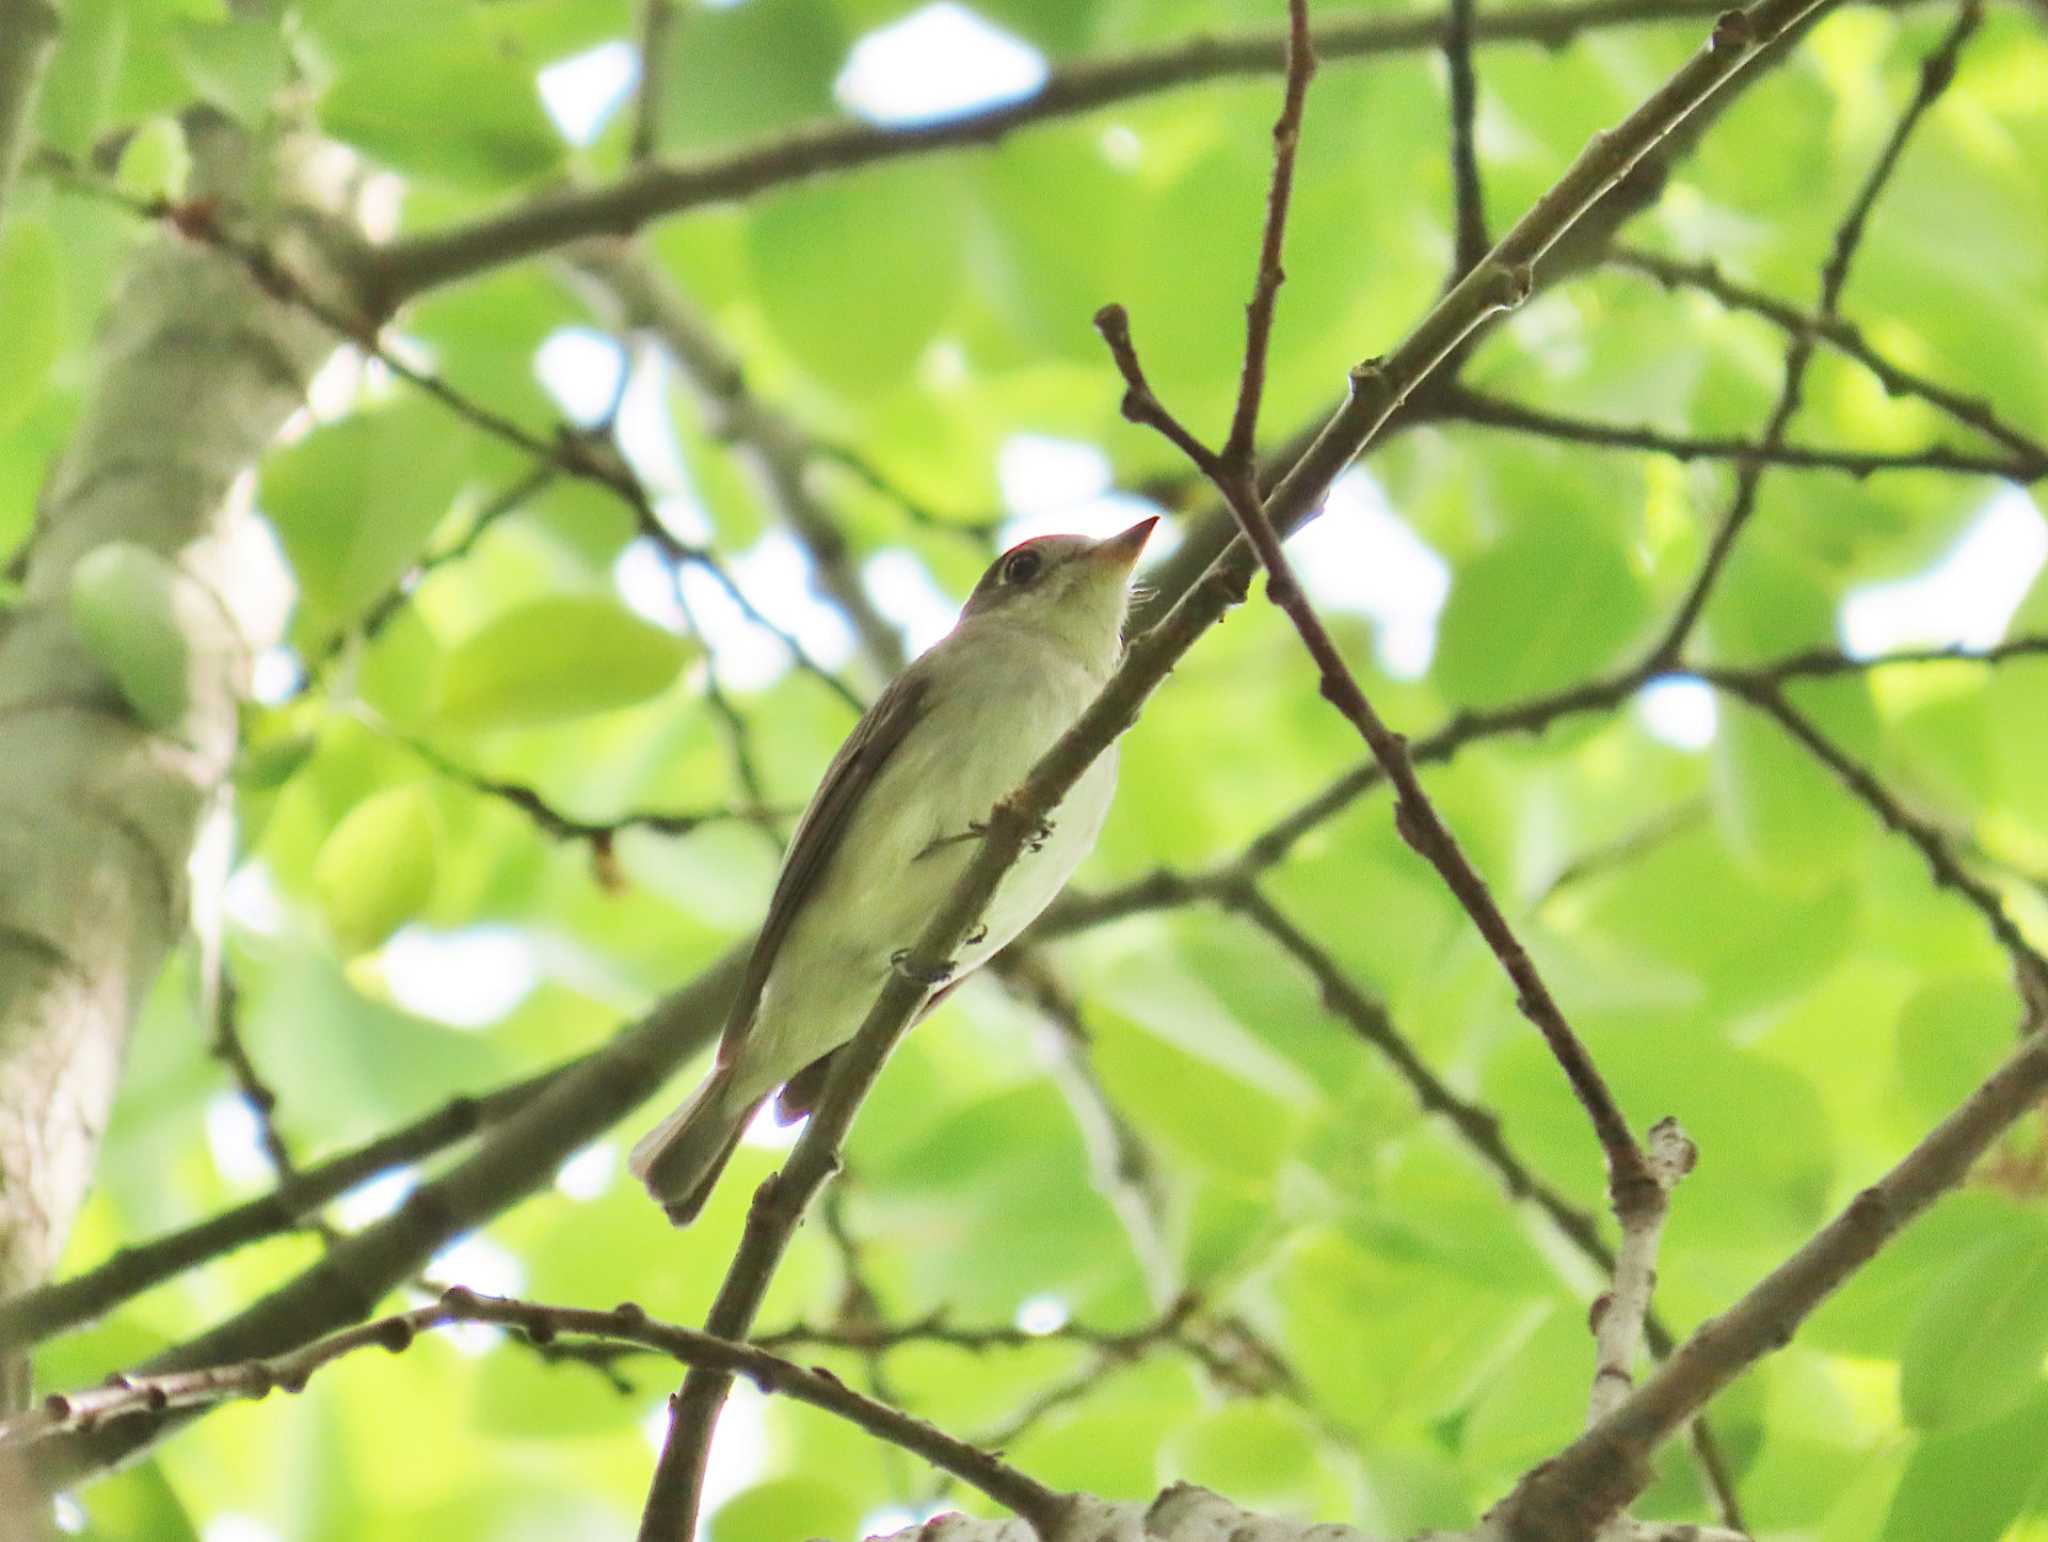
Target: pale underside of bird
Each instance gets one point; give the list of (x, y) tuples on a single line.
[(890, 831)]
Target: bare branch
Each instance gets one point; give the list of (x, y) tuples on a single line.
[(1564, 1498), (1619, 1315), (1462, 404), (1414, 815), (1926, 837), (1935, 75), (152, 1395), (41, 1313), (1972, 412), (420, 262), (769, 442), (657, 23), (1240, 448), (1468, 212), (28, 38)]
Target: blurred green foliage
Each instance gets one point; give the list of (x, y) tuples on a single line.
[(1777, 972)]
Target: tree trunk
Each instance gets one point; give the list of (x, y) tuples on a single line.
[(194, 373)]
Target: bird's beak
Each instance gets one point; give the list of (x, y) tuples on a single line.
[(1122, 549)]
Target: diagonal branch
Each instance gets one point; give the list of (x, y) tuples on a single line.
[(1378, 389), (770, 444), (1563, 1499), (1946, 869), (52, 1309), (1414, 814)]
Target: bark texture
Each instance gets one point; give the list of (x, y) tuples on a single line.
[(195, 371)]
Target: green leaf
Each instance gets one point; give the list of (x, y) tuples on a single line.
[(237, 65), (32, 292), (394, 104), (155, 162), (1555, 602), (1976, 1350), (1952, 1034), (354, 503), (1969, 1486), (1787, 813), (553, 659), (138, 1502), (748, 70), (125, 604), (377, 870), (785, 1508), (857, 278)]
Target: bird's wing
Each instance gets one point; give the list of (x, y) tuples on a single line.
[(873, 740)]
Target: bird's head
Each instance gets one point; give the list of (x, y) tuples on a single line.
[(1068, 587)]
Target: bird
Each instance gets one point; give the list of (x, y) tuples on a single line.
[(891, 828)]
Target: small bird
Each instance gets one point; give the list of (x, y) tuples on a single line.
[(890, 830)]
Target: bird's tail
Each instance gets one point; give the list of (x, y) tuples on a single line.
[(680, 1159)]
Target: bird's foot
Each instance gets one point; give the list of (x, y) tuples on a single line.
[(974, 832), (920, 971), (1037, 839)]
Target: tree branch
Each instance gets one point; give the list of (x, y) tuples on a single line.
[(769, 443), (1845, 336), (1468, 197), (28, 38), (416, 263), (1935, 75), (1619, 1315), (1462, 404), (516, 1156), (1414, 814), (39, 1314), (657, 24), (1947, 871), (1563, 1499), (1378, 389), (152, 1395)]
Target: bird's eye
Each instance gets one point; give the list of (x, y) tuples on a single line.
[(1022, 566)]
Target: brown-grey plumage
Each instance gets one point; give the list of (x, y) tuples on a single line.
[(880, 841)]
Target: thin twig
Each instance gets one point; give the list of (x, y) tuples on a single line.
[(1620, 1314), (152, 1395), (1846, 337), (657, 22), (1926, 837), (1164, 888), (599, 833), (1241, 447), (583, 454), (1467, 192), (1568, 1496), (1935, 76), (1415, 815), (1463, 404)]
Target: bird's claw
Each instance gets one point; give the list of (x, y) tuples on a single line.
[(978, 935), (923, 974), (1037, 839)]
